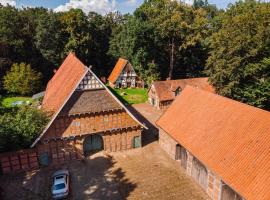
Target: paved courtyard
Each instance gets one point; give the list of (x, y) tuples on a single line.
[(144, 173)]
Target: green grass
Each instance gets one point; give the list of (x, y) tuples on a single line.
[(131, 96), (7, 101)]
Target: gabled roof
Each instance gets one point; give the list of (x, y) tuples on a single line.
[(230, 138), (62, 86), (165, 89), (118, 68), (63, 82)]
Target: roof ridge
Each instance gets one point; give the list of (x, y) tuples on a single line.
[(227, 99)]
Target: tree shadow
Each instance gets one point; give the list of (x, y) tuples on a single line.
[(94, 178), (98, 178)]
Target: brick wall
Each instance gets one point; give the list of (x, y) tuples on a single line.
[(66, 126), (19, 161), (119, 140), (62, 150), (167, 143)]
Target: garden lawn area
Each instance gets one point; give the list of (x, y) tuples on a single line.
[(7, 101), (130, 95)]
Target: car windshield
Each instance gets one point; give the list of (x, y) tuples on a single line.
[(59, 186)]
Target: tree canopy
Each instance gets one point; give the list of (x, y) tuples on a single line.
[(20, 126), (22, 80), (162, 39), (238, 64)]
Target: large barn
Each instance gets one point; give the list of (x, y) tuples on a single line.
[(162, 93), (87, 117), (223, 144), (123, 75)]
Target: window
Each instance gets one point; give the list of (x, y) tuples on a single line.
[(106, 118), (76, 123)]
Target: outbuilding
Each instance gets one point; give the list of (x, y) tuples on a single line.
[(162, 93), (223, 144), (86, 116), (123, 75)]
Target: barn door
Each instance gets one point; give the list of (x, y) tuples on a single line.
[(92, 143), (183, 157), (181, 154), (228, 194), (199, 173)]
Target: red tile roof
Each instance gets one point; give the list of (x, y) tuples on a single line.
[(118, 68), (230, 138), (165, 89), (63, 83)]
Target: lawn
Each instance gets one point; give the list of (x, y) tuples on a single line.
[(131, 96), (7, 101)]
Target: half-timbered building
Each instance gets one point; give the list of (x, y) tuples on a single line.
[(162, 93), (123, 75), (86, 118), (223, 144)]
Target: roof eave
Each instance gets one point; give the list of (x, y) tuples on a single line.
[(57, 113)]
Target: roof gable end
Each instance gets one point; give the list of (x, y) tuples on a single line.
[(118, 68)]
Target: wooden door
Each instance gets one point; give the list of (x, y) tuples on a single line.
[(228, 194), (183, 157), (137, 142), (181, 154), (199, 173), (92, 143)]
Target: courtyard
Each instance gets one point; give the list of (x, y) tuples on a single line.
[(143, 173), (146, 173)]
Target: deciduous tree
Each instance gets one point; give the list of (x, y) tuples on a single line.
[(22, 80), (20, 126), (238, 64)]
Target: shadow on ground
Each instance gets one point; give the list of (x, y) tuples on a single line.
[(150, 135), (97, 178), (92, 178)]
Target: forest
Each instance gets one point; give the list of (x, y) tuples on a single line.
[(163, 39)]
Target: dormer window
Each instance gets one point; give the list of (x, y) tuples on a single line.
[(177, 91)]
